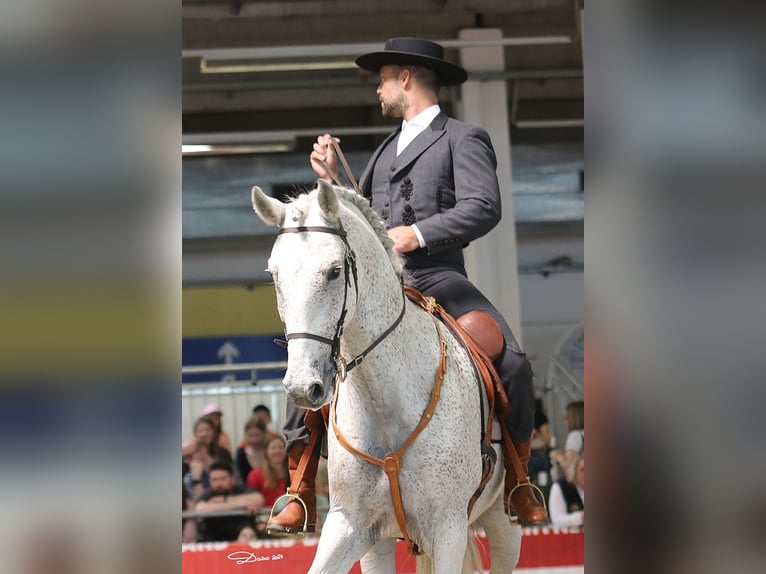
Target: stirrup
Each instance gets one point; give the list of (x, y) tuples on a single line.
[(538, 495), (297, 533)]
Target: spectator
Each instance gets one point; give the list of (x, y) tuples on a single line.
[(262, 412), (226, 494), (252, 453), (575, 443), (188, 525), (214, 413), (246, 534), (567, 499), (199, 453), (540, 445), (270, 479)]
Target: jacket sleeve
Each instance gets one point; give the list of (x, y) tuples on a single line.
[(476, 207)]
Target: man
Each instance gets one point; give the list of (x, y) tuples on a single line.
[(226, 494), (433, 183)]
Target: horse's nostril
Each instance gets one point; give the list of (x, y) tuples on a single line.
[(315, 392)]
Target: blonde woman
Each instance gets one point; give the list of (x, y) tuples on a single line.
[(575, 443)]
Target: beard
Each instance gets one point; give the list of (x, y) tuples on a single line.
[(394, 108)]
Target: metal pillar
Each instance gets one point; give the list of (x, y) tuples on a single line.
[(492, 261)]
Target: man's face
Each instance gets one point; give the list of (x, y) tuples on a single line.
[(393, 101), (221, 481)]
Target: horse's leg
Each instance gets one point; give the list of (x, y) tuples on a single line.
[(504, 538), (380, 558), (340, 545), (450, 545)]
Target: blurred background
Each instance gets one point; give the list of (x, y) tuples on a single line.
[(96, 100)]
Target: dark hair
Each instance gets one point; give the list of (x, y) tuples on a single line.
[(426, 77), (258, 408), (221, 465), (255, 422)]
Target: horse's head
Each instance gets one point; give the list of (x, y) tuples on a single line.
[(311, 265)]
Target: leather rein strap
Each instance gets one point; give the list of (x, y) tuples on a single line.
[(392, 462), (343, 161)]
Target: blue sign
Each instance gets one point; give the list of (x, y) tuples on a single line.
[(231, 351)]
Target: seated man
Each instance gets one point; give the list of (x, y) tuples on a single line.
[(226, 494)]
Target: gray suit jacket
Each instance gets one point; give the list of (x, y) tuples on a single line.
[(447, 177)]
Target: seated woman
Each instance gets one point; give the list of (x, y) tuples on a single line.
[(252, 453), (575, 443), (566, 505), (270, 479)]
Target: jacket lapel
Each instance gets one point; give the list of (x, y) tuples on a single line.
[(421, 143)]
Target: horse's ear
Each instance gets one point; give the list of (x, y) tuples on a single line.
[(270, 210), (328, 201)]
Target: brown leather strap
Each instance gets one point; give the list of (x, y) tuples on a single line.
[(392, 462), (314, 422), (343, 162), (488, 375), (509, 451)]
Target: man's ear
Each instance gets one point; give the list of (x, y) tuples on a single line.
[(405, 77)]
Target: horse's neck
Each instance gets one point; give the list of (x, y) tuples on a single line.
[(394, 381)]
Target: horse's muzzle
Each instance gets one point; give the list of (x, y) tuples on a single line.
[(310, 396)]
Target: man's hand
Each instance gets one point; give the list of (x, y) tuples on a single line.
[(324, 152), (404, 238)]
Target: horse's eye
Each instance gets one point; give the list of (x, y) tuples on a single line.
[(334, 273)]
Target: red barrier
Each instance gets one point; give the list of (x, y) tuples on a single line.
[(540, 548)]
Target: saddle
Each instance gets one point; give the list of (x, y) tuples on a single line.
[(482, 338)]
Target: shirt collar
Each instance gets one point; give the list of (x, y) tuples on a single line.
[(424, 118)]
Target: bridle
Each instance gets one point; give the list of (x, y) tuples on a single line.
[(342, 367)]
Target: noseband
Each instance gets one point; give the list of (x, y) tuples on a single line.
[(342, 367)]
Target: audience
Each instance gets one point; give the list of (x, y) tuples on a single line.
[(188, 525), (540, 446), (271, 478), (252, 453), (575, 443), (246, 534), (226, 494), (214, 413), (199, 453), (566, 505), (262, 412)]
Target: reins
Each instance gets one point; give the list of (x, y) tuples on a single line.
[(343, 161)]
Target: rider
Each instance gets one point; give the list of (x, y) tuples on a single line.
[(433, 183)]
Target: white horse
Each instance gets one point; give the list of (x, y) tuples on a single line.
[(339, 294)]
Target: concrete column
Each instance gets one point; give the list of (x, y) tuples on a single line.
[(492, 261)]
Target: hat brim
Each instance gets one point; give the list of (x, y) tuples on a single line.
[(450, 74)]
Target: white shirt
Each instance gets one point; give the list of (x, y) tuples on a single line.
[(558, 511), (410, 130)]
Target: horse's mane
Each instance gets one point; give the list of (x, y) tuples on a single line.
[(349, 196)]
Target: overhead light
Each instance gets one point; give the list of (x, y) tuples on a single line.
[(263, 147), (231, 67)]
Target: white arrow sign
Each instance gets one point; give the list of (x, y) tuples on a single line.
[(228, 352)]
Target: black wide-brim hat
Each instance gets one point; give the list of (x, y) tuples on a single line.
[(416, 52)]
